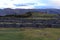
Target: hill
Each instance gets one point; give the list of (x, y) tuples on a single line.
[(8, 11)]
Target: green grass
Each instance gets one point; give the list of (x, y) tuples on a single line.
[(44, 15), (29, 33), (41, 18)]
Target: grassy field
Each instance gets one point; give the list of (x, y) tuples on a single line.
[(29, 33)]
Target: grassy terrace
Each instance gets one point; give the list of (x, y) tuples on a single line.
[(44, 15), (29, 34), (32, 18), (36, 16)]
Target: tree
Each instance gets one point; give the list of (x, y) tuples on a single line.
[(29, 14)]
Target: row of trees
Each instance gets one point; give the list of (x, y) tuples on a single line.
[(28, 14)]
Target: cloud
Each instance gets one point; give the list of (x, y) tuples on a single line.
[(29, 4), (54, 3), (23, 4)]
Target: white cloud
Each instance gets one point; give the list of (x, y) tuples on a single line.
[(55, 3), (29, 4), (10, 3)]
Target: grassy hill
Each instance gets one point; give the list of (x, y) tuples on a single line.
[(33, 14)]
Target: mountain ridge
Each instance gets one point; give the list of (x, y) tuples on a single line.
[(8, 11)]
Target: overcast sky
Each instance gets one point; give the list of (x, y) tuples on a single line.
[(29, 4)]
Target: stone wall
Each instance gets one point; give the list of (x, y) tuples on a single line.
[(22, 22)]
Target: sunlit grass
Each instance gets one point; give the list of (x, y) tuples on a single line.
[(29, 33)]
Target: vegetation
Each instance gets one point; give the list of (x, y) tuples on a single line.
[(44, 15), (29, 34), (32, 14), (28, 14)]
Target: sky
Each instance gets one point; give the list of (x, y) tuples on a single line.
[(29, 4)]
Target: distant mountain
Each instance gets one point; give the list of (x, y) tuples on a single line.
[(8, 11)]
